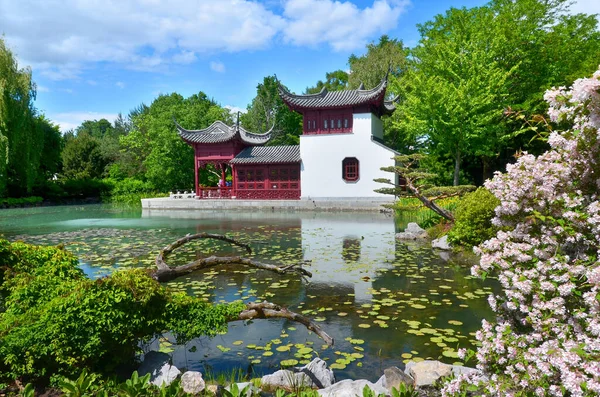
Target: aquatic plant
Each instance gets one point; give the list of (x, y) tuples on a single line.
[(545, 339)]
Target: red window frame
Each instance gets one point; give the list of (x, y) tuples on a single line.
[(350, 169)]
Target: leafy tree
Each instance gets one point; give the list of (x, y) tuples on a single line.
[(388, 55), (50, 159), (455, 103), (268, 110), (474, 66), (334, 81), (82, 158), (20, 141)]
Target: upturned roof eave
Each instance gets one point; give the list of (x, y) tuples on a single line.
[(230, 133)]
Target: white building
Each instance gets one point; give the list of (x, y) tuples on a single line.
[(340, 154)]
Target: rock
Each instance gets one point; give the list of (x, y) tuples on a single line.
[(192, 382), (286, 379), (317, 371), (381, 382), (394, 376), (444, 255), (347, 388), (462, 370), (314, 374), (441, 243), (158, 365), (412, 232), (426, 373)]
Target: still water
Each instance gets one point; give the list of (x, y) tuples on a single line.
[(384, 302)]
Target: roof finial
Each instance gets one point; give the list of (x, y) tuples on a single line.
[(237, 124), (361, 86)]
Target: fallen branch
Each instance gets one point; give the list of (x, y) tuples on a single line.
[(165, 273), (266, 310), (262, 310)]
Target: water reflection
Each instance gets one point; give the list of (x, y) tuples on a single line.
[(384, 302)]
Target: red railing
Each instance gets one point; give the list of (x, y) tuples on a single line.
[(215, 192), (268, 194)]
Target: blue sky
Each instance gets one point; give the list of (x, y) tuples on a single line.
[(92, 59)]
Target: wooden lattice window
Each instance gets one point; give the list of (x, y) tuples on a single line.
[(350, 171)]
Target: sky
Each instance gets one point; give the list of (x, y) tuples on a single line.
[(94, 59)]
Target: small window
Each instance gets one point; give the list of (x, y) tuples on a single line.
[(350, 169), (332, 124), (325, 124), (339, 123), (345, 123)]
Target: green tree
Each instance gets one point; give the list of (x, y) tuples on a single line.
[(334, 81), (82, 158), (548, 47), (20, 141), (268, 110), (50, 159), (473, 66), (456, 91), (388, 55)]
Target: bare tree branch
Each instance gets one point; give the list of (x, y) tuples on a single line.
[(262, 310)]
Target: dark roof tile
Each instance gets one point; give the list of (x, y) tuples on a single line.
[(219, 132), (268, 155), (338, 99)]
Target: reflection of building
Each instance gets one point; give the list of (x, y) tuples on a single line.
[(339, 155), (347, 249)]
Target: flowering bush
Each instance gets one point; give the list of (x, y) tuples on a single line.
[(545, 340)]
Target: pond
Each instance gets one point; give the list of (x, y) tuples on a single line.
[(384, 302)]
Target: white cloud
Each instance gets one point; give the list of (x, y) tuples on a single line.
[(72, 120), (217, 67), (41, 88), (233, 110), (120, 84), (184, 57), (341, 24), (60, 39)]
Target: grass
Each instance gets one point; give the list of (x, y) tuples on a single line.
[(410, 209)]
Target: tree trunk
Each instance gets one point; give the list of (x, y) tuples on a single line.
[(487, 169), (456, 168)]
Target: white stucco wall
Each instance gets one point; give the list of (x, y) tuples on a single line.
[(322, 156)]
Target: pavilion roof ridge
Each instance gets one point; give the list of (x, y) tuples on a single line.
[(219, 132), (338, 99)]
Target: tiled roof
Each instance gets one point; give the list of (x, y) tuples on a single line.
[(268, 155), (219, 132), (338, 99)]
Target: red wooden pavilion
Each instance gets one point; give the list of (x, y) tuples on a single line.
[(258, 172)]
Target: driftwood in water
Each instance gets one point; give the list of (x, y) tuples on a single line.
[(165, 273), (262, 310)]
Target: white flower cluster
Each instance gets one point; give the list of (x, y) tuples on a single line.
[(545, 340)]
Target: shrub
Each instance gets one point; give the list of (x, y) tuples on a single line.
[(545, 340), (80, 188), (473, 218), (56, 321), (131, 191)]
